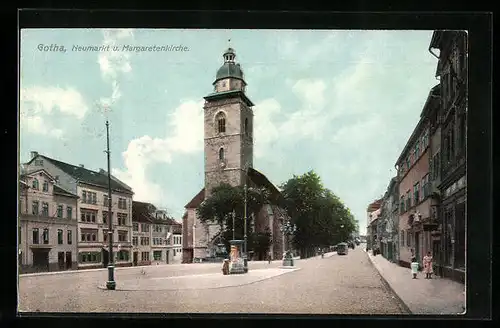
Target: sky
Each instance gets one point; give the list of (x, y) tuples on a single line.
[(342, 103)]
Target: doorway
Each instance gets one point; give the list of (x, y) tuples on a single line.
[(136, 258), (68, 261), (60, 260), (389, 251), (105, 258), (41, 260)]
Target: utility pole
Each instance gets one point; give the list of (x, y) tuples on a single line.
[(110, 284)]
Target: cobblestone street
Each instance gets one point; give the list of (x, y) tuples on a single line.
[(333, 285)]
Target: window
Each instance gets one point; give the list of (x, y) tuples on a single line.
[(69, 237), (122, 236), (221, 154), (59, 237), (408, 163), (45, 236), (134, 241), (408, 200), (425, 186), (35, 207), (122, 203), (88, 235), (246, 126), (122, 255), (36, 236), (135, 226), (84, 196), (145, 256), (39, 162), (122, 219), (45, 186), (34, 185), (89, 197), (45, 209), (106, 200), (144, 241), (221, 123), (416, 192), (69, 212), (89, 257), (157, 255), (144, 227), (408, 238), (105, 216), (59, 211), (88, 216)]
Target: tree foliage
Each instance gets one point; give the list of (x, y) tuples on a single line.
[(319, 215), (224, 202)]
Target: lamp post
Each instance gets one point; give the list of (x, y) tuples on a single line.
[(110, 284)]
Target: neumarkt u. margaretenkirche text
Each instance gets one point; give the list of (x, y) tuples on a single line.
[(130, 48)]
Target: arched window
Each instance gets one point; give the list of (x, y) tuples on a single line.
[(221, 123), (246, 126), (35, 184), (221, 154)]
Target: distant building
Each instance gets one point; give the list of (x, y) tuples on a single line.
[(92, 210), (47, 224), (389, 221), (372, 235)]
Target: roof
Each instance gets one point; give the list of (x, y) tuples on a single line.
[(25, 174), (433, 93), (63, 192), (143, 212), (87, 176), (261, 180), (227, 70), (374, 206), (197, 200), (230, 94)]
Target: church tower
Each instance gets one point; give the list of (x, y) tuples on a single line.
[(228, 127)]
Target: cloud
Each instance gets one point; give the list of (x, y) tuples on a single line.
[(37, 103), (186, 136), (114, 64), (266, 132)]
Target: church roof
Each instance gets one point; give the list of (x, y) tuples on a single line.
[(197, 200), (229, 70), (229, 94)]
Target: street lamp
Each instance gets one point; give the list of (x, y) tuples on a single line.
[(110, 284), (245, 258)]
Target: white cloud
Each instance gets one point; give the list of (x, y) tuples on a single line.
[(113, 64), (186, 127), (38, 102), (266, 131)]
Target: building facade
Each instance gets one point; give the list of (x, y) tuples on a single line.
[(389, 222), (372, 216), (92, 211), (143, 215), (47, 224), (415, 219), (452, 118)]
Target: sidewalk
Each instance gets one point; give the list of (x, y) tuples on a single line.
[(421, 296)]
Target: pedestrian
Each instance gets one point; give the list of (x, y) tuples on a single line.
[(428, 265), (414, 267)]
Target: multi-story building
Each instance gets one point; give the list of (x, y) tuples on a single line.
[(414, 191), (372, 213), (92, 210), (388, 223), (176, 242), (142, 221), (47, 224), (451, 170)]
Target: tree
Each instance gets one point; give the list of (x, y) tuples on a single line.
[(224, 200), (319, 215)]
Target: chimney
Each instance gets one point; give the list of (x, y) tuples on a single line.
[(102, 171), (81, 165), (34, 154)]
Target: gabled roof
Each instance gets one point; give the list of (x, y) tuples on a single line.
[(86, 176), (38, 171), (63, 192), (197, 200), (143, 212), (261, 180)]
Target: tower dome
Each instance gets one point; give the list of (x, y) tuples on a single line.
[(229, 69)]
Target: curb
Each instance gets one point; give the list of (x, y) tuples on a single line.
[(389, 287)]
